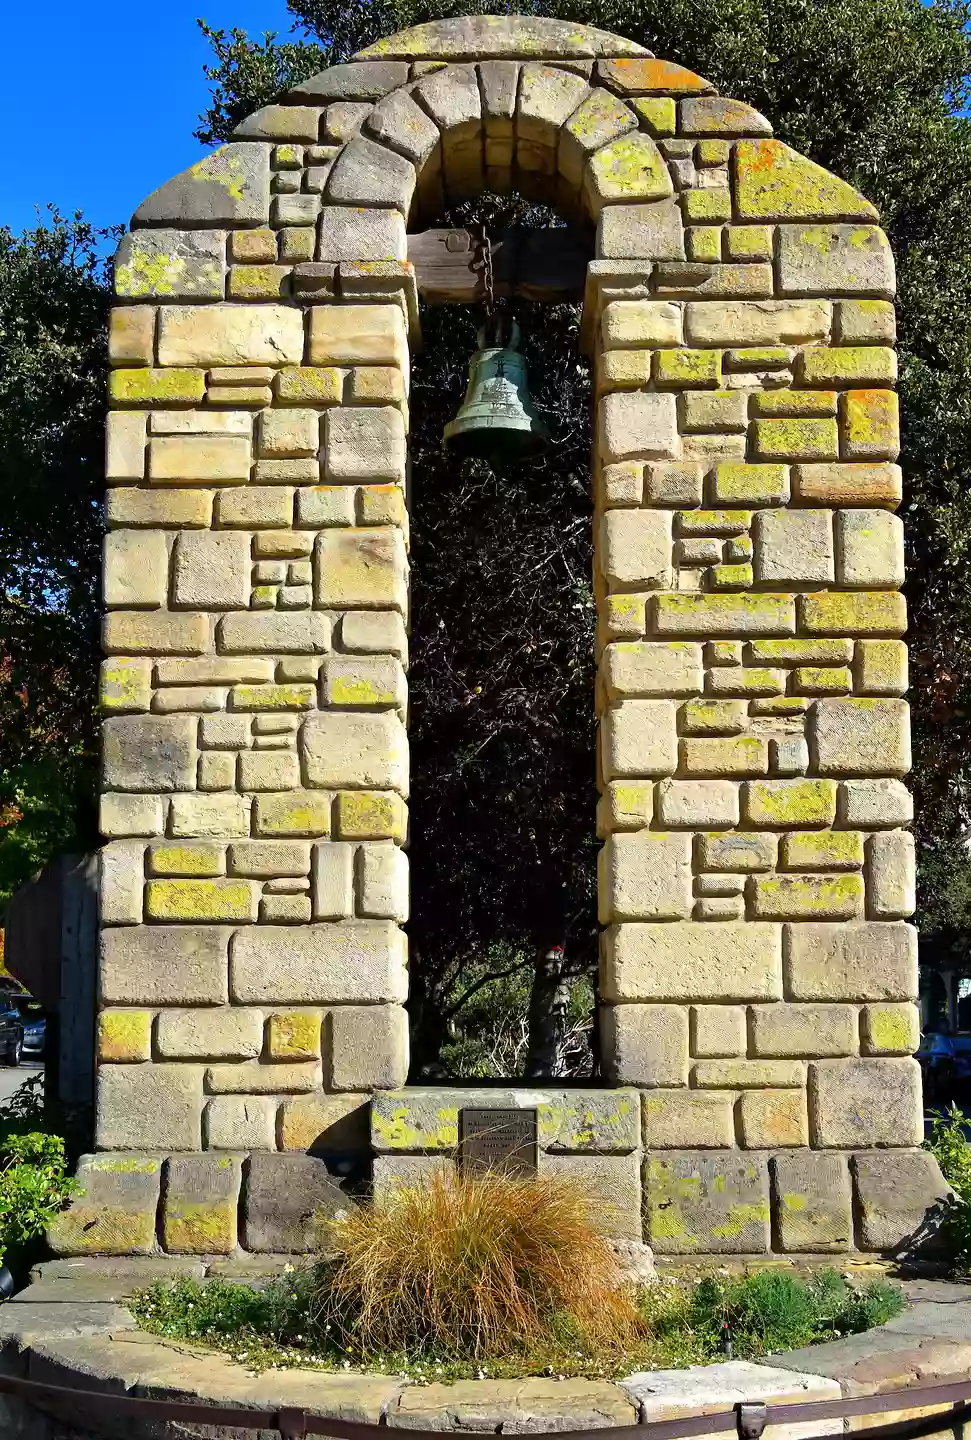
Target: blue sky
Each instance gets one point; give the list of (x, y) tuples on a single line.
[(100, 97)]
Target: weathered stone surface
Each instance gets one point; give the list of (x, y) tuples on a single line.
[(891, 875), (612, 1181), (860, 736), (812, 1203), (901, 1199), (288, 633), (707, 1389), (860, 1103), (164, 965), (876, 961), (772, 1119), (286, 1196), (692, 961), (230, 335), (364, 234), (711, 1204), (281, 122), (343, 748), (834, 260), (367, 81), (772, 182), (637, 423), (366, 173), (149, 752), (325, 1124), (200, 1205), (639, 737), (518, 1406), (362, 962), (228, 1033), (793, 546), (705, 804), (230, 186), (570, 1121), (176, 264), (471, 36), (703, 1119), (645, 876), (645, 1045), (213, 570), (368, 1047), (154, 1107), (799, 1030), (239, 1122), (870, 549), (115, 1213)]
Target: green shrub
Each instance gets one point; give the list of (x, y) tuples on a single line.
[(950, 1145), (34, 1184)]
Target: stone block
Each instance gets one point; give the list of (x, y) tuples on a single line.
[(744, 484), (834, 260), (229, 1033), (692, 961), (846, 365), (871, 612), (869, 549), (670, 668), (174, 264), (613, 1183), (732, 323), (357, 335), (163, 965), (213, 570), (864, 1103), (398, 122), (739, 853), (891, 875), (714, 717), (294, 813), (154, 1107), (625, 807), (367, 1047), (773, 1119), (866, 322), (718, 1031), (874, 803), (637, 423), (325, 1124), (198, 459), (282, 122), (131, 338), (721, 411), (812, 1203), (901, 1198), (773, 182), (639, 737), (253, 506), (822, 850), (344, 748), (285, 1199), (738, 756), (269, 770), (652, 230), (229, 186), (253, 1078), (332, 881), (367, 80), (795, 439), (806, 897), (803, 1030), (296, 633), (124, 448), (858, 484), (115, 1213), (153, 633), (364, 681), (547, 98), (362, 234), (698, 804), (130, 506), (230, 335), (889, 1029), (382, 882), (626, 170), (635, 548), (872, 961), (881, 667), (124, 1035), (240, 1122), (366, 174), (364, 443), (200, 1204), (149, 752), (645, 1045), (121, 876), (146, 386), (212, 817), (860, 736), (869, 425), (793, 546), (705, 1203), (745, 1074), (353, 962), (630, 324), (134, 815), (361, 568), (730, 615), (645, 875), (703, 1119)]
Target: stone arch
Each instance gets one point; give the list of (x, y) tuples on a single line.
[(756, 872)]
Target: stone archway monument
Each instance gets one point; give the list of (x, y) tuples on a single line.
[(758, 973)]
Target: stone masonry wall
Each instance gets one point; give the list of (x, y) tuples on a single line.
[(758, 975)]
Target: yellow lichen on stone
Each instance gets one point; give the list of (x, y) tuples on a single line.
[(866, 612), (258, 282), (794, 403), (822, 850), (782, 804), (635, 75), (124, 1036), (871, 425), (355, 690), (298, 813), (704, 243), (658, 114), (191, 860), (848, 364), (795, 439), (371, 815), (890, 1029), (293, 1035), (808, 897), (200, 1229), (223, 169), (125, 685), (706, 206), (687, 368), (749, 242), (172, 386), (309, 385), (732, 577), (736, 482), (713, 522), (200, 900), (274, 697), (631, 168), (773, 182)]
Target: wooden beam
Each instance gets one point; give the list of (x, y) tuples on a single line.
[(547, 265)]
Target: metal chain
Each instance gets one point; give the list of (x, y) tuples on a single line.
[(482, 264)]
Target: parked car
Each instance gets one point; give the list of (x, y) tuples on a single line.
[(35, 1028), (942, 1065), (11, 1024)]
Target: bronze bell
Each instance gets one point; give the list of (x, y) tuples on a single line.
[(497, 421)]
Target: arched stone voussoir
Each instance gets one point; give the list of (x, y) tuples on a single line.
[(474, 37)]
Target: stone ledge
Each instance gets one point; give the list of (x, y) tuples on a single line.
[(930, 1341)]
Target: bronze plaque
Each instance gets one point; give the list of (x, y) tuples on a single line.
[(498, 1139)]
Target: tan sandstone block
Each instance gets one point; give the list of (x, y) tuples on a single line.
[(209, 817), (803, 1030), (340, 963), (131, 335), (130, 815), (639, 668), (213, 570), (122, 875), (124, 1035), (688, 1119), (864, 1103), (889, 1029), (325, 1122), (645, 875), (717, 1031), (859, 736), (869, 549), (635, 548), (163, 965), (645, 1045), (230, 335), (733, 323), (363, 568), (637, 423), (293, 813), (131, 506), (125, 685), (859, 962), (891, 875), (125, 445), (151, 1107), (240, 1122), (347, 749), (382, 882), (639, 738), (293, 1035), (692, 961), (357, 335), (634, 323), (136, 568), (773, 1119), (253, 1078), (368, 1047), (698, 804), (198, 459), (226, 1033), (625, 805)]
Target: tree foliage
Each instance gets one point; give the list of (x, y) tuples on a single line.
[(53, 361)]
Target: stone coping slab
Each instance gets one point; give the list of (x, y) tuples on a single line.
[(52, 1334)]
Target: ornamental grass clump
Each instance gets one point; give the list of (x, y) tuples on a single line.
[(472, 1269)]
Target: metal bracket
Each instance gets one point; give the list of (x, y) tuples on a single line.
[(292, 1424), (751, 1421)]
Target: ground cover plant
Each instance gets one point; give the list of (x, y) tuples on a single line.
[(948, 1142), (499, 1277)]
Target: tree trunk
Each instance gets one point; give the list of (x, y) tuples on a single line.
[(548, 1004)]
